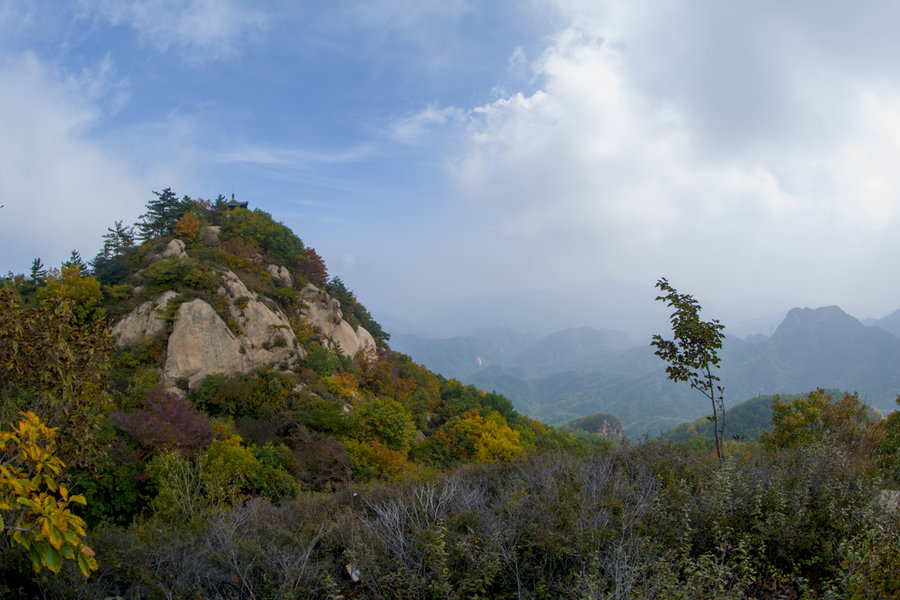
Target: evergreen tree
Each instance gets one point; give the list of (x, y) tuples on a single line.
[(38, 272), (118, 240), (162, 214), (76, 261)]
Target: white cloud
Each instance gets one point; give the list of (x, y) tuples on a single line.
[(200, 29), (60, 189), (603, 173), (416, 128), (299, 158)]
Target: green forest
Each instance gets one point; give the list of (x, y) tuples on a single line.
[(334, 475)]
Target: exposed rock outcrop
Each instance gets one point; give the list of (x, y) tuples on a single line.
[(280, 275), (210, 235), (324, 313), (144, 322), (201, 344), (174, 249), (257, 331), (267, 336)]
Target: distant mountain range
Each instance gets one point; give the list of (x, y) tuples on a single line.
[(577, 372)]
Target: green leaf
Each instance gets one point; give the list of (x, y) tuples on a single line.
[(83, 565), (71, 537), (35, 558), (52, 558)]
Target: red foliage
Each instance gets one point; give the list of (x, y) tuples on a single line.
[(315, 268), (167, 423), (241, 253), (319, 460), (381, 376)]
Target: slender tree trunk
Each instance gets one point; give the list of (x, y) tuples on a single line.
[(712, 397)]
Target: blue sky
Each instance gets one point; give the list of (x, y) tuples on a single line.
[(449, 154)]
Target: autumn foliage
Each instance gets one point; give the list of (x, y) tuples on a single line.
[(187, 228), (34, 506), (329, 476)]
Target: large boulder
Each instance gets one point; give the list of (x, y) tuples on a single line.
[(266, 333), (201, 344), (280, 275), (174, 249), (210, 235), (144, 322), (324, 313)]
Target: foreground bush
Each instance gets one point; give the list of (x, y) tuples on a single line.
[(639, 522)]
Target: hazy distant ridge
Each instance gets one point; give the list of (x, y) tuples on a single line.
[(581, 371)]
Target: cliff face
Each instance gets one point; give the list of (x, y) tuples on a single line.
[(243, 332)]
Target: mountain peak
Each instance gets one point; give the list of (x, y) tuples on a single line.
[(831, 318)]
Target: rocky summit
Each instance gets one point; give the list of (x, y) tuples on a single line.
[(200, 342)]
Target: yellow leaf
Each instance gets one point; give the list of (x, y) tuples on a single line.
[(56, 538)]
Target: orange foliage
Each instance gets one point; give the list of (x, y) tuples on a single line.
[(377, 460), (343, 384), (382, 378), (303, 329), (241, 253), (187, 227)]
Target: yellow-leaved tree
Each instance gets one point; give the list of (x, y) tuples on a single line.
[(492, 438), (53, 362), (34, 507), (188, 227)]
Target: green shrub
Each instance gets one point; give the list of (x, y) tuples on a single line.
[(170, 273), (287, 297), (320, 359), (258, 226)]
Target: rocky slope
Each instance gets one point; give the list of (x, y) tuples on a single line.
[(243, 332)]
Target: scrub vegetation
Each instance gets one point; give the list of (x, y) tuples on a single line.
[(372, 477)]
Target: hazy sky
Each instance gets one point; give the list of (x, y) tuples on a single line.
[(439, 154)]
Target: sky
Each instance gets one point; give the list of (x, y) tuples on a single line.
[(462, 161)]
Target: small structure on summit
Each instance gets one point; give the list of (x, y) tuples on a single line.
[(236, 204)]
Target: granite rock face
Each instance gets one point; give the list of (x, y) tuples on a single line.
[(266, 335), (247, 332), (144, 322), (201, 344), (324, 313), (280, 275), (174, 249), (210, 235)]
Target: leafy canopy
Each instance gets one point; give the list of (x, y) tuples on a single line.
[(694, 351), (276, 239), (34, 507)]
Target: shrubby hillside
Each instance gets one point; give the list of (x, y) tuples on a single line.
[(200, 411), (584, 371)]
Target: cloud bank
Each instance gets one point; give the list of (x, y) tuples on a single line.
[(727, 149), (51, 173)]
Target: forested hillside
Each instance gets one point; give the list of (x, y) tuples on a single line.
[(603, 371), (200, 411)]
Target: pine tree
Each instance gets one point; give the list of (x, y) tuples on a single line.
[(38, 272), (162, 214), (118, 240), (76, 261)]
